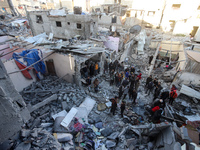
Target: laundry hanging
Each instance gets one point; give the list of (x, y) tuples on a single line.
[(30, 56)]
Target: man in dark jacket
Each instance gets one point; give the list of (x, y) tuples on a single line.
[(114, 105), (157, 90), (133, 95), (123, 106), (164, 95), (121, 90), (132, 81), (125, 82), (149, 87), (132, 70), (149, 79)]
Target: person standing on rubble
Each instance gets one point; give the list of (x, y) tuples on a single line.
[(173, 95), (114, 105), (96, 85), (105, 66), (125, 82), (127, 74), (91, 69), (132, 70), (157, 90), (117, 82), (112, 77), (111, 67), (149, 79), (88, 81), (149, 87), (96, 67), (126, 90), (132, 81), (122, 107), (133, 95), (121, 90), (137, 83), (164, 95), (173, 87)]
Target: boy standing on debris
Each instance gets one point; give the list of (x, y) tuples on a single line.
[(114, 105), (173, 96), (123, 106)]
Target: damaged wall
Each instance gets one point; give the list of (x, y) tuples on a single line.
[(130, 21), (14, 112), (63, 26), (18, 79), (64, 65)]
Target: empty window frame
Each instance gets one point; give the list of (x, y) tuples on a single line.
[(58, 24), (114, 19), (78, 26), (68, 23), (39, 19), (176, 6), (151, 13)]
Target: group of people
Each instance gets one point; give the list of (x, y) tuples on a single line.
[(160, 102), (90, 70)]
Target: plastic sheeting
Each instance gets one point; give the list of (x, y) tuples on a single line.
[(31, 56)]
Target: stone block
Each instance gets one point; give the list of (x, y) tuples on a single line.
[(64, 105), (23, 146), (25, 132)]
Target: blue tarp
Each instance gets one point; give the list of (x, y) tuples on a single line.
[(31, 56)]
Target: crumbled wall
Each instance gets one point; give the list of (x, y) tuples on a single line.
[(14, 112)]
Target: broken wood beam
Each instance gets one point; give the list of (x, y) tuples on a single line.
[(44, 102)]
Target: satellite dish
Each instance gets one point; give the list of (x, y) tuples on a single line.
[(135, 29)]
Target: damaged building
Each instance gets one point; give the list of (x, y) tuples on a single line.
[(67, 81)]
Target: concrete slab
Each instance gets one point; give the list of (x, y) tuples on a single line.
[(68, 118), (60, 114), (88, 103), (82, 114)]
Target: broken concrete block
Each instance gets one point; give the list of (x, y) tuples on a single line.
[(68, 118), (64, 105), (113, 136), (106, 132), (132, 141), (23, 146), (63, 137), (99, 125), (101, 107), (43, 111), (60, 114), (44, 102), (110, 144), (57, 127), (25, 132), (34, 133), (65, 97), (40, 143)]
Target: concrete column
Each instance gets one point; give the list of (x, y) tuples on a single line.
[(77, 73)]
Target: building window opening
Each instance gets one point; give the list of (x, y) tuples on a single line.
[(151, 13), (39, 19), (176, 6), (79, 26), (114, 19), (58, 24), (68, 23)]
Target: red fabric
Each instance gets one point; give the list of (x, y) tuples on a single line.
[(139, 76), (173, 94), (155, 108)]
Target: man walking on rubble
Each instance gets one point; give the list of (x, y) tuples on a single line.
[(122, 107), (149, 87), (157, 90), (137, 83), (114, 105), (112, 77), (121, 90), (126, 91), (173, 95), (149, 79), (133, 95)]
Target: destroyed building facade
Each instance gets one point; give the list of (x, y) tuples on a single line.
[(64, 25)]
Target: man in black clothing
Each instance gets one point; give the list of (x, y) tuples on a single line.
[(164, 95), (134, 95), (132, 70), (123, 106), (157, 90), (125, 82), (149, 79), (88, 81), (159, 102), (149, 87), (121, 90), (114, 105), (132, 81)]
